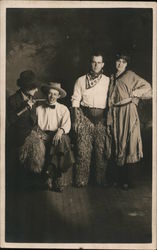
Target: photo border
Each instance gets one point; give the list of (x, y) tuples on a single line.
[(4, 4)]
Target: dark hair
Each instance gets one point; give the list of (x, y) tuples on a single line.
[(96, 53), (123, 55)]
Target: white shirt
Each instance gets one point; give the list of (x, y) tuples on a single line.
[(52, 119), (95, 97)]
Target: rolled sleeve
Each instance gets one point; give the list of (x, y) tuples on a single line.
[(66, 121), (77, 95), (142, 89)]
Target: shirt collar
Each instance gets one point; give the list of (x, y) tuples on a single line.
[(55, 103)]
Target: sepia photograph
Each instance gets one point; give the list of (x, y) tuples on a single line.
[(78, 124)]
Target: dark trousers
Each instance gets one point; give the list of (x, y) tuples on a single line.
[(59, 159)]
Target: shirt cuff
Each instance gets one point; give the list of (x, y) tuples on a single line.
[(75, 104), (63, 130)]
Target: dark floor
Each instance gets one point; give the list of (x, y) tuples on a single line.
[(92, 214)]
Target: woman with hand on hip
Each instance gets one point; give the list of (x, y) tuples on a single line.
[(126, 88)]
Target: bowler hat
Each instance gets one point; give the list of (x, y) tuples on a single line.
[(53, 85), (27, 80)]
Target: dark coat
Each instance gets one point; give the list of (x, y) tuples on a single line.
[(19, 127)]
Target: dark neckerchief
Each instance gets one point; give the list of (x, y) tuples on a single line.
[(94, 75), (92, 79)]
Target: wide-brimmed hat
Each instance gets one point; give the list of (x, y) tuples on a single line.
[(53, 85), (27, 80)]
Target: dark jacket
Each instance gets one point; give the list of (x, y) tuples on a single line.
[(18, 127)]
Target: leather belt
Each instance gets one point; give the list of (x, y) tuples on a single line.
[(95, 115)]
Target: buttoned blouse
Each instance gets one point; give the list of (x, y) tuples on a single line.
[(52, 119), (95, 97)]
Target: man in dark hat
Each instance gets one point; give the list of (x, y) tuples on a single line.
[(54, 120), (20, 107), (21, 112)]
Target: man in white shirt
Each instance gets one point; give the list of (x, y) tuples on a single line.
[(54, 120), (89, 101)]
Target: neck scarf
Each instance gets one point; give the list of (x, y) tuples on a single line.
[(92, 79)]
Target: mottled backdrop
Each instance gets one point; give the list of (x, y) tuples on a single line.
[(56, 44)]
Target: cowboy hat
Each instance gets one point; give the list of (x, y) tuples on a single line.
[(53, 85), (27, 80)]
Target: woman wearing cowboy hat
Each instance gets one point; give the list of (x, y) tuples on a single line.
[(53, 119)]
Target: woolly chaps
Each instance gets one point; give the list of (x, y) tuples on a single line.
[(91, 143), (32, 153)]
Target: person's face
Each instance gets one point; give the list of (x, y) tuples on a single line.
[(97, 64), (53, 95), (31, 92), (121, 65)]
